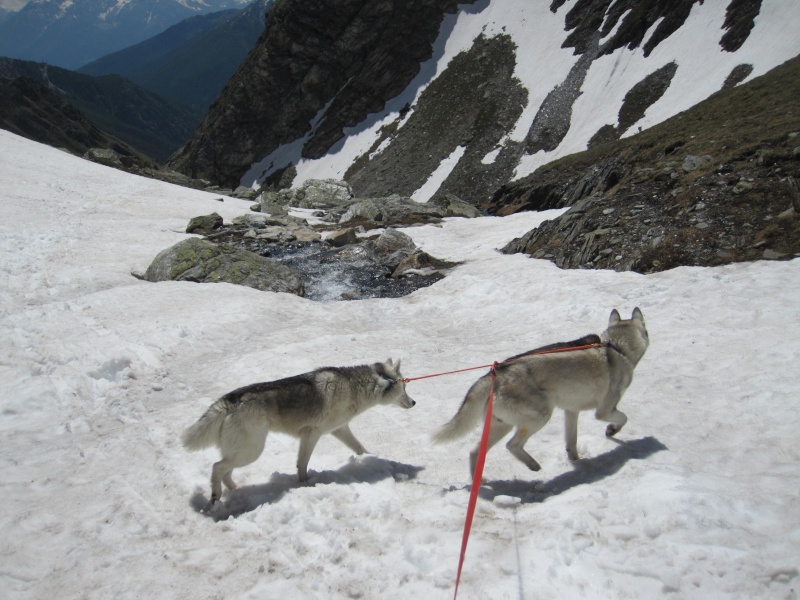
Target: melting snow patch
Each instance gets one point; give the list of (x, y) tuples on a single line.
[(112, 370), (442, 172)]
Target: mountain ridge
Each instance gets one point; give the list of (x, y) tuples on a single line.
[(287, 115), (192, 61), (72, 34), (153, 126)]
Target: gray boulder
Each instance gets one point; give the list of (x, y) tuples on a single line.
[(314, 193), (693, 162), (394, 246), (342, 237), (104, 156), (198, 260), (455, 207), (367, 210), (421, 263), (204, 223)]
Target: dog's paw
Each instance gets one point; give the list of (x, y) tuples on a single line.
[(573, 456), (612, 430)]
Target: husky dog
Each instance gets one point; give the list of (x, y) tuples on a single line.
[(305, 406), (529, 386)]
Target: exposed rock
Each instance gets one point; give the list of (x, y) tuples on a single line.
[(334, 55), (472, 105), (421, 263), (742, 187), (244, 193), (658, 200), (692, 162), (171, 176), (392, 242), (256, 220), (737, 75), (558, 187), (343, 237), (199, 260), (313, 193), (104, 156), (552, 121), (204, 223), (347, 266), (636, 102), (455, 207), (366, 211), (629, 20), (739, 20)]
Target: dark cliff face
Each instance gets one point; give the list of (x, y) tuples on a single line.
[(322, 66), (354, 55)]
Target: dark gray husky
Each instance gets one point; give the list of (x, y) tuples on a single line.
[(306, 406)]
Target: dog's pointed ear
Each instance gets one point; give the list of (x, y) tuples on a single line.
[(637, 314), (397, 366), (389, 362), (614, 318)]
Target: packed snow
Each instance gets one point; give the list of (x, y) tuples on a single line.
[(542, 65), (697, 497)]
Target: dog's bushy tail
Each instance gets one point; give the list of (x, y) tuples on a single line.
[(469, 413), (205, 432)]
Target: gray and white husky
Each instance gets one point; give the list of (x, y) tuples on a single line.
[(306, 406), (529, 386)]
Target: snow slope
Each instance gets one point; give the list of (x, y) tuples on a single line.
[(542, 65), (100, 372)]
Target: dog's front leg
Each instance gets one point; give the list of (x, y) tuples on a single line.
[(615, 417), (571, 433), (309, 436), (344, 435)]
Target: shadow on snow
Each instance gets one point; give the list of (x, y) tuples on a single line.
[(585, 471), (365, 469)]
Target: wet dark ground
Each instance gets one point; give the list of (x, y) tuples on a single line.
[(330, 274)]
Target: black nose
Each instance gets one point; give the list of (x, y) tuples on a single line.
[(413, 403)]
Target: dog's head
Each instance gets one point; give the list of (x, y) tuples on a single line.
[(391, 386), (629, 335)]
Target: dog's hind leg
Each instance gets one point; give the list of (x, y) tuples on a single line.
[(497, 432), (344, 435), (309, 436), (525, 429), (571, 433), (240, 445)]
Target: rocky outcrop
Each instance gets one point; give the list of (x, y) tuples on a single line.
[(325, 68), (346, 58), (202, 261), (341, 251), (714, 185), (337, 203), (42, 114), (638, 99), (469, 108)]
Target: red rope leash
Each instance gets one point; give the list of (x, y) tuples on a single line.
[(477, 476), (534, 353), (407, 379)]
